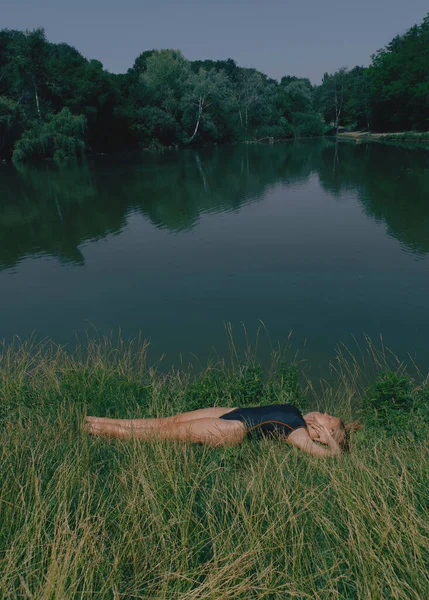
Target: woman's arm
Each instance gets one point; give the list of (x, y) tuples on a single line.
[(300, 439)]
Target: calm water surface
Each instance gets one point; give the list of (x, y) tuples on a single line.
[(327, 242)]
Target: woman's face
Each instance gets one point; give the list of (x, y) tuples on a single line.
[(331, 423), (328, 421)]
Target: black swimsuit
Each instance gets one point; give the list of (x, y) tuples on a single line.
[(279, 419)]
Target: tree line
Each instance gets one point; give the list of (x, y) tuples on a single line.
[(55, 103)]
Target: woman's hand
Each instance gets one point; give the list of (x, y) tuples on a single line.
[(325, 434), (301, 439)]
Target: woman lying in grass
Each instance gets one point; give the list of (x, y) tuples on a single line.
[(228, 426)]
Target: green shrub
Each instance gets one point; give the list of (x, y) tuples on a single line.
[(208, 389), (8, 113), (284, 385), (60, 138), (282, 131), (308, 125), (394, 403), (246, 385), (407, 136)]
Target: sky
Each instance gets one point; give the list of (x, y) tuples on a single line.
[(305, 38)]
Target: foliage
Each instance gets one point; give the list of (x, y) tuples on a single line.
[(284, 385), (164, 100), (412, 136), (60, 138), (8, 109), (357, 108), (308, 125), (394, 402), (205, 92), (282, 131), (399, 82), (152, 125), (333, 95), (166, 74), (9, 122), (391, 95), (298, 95), (167, 100), (245, 386)]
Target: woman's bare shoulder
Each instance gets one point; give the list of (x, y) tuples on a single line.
[(298, 434)]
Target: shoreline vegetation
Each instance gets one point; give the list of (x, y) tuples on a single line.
[(368, 136), (54, 103), (89, 517)]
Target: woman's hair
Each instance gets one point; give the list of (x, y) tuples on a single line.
[(342, 434)]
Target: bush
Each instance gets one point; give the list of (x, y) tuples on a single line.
[(10, 125), (407, 136), (393, 401), (282, 131), (154, 124), (284, 386), (245, 387), (60, 138), (308, 125)]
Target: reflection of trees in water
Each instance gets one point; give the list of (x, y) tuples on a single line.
[(392, 183), (51, 211), (214, 179)]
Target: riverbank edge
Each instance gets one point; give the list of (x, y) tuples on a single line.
[(356, 136), (82, 516), (364, 136)]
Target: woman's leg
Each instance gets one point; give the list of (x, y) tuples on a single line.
[(212, 431), (193, 415)]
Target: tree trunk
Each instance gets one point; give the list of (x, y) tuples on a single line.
[(338, 109), (337, 116), (196, 128), (200, 114), (36, 95)]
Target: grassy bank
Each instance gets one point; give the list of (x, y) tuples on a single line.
[(93, 518), (405, 136)]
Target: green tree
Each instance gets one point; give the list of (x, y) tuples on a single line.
[(9, 122), (357, 109), (333, 96), (28, 65), (244, 92), (399, 76), (297, 96), (202, 90), (62, 137), (166, 76)]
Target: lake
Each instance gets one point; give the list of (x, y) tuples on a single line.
[(326, 241)]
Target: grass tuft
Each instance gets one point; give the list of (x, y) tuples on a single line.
[(85, 517)]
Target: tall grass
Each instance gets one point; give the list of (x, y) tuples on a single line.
[(84, 517), (407, 136), (412, 136)]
